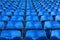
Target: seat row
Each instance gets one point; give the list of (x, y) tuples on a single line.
[(41, 35), (33, 35), (30, 18), (28, 12), (30, 25), (10, 35)]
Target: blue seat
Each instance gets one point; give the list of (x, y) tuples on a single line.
[(31, 24), (10, 34), (14, 25), (46, 18), (51, 25), (2, 25), (57, 18), (42, 12), (55, 35), (0, 18), (10, 24), (58, 12), (8, 14), (5, 18), (30, 12), (17, 18), (19, 25), (36, 35), (53, 13), (32, 18), (1, 11), (20, 18), (19, 13)]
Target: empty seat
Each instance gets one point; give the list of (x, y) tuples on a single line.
[(2, 25), (15, 25), (42, 13), (46, 18), (19, 13), (0, 18), (31, 24), (19, 25), (5, 18), (31, 12), (55, 35), (10, 34), (17, 18), (57, 18), (36, 35), (58, 11), (51, 25), (53, 13), (8, 14), (32, 18)]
